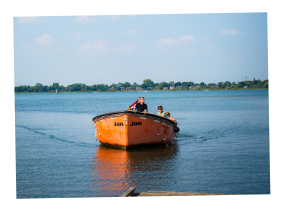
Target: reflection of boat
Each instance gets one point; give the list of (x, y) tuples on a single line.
[(110, 170), (128, 128), (115, 170)]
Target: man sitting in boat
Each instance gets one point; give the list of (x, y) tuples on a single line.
[(169, 116), (161, 112), (141, 106)]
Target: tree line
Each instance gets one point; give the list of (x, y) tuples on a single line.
[(147, 84)]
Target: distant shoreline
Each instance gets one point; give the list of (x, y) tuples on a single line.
[(141, 91)]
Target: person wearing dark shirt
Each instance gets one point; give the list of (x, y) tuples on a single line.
[(141, 106)]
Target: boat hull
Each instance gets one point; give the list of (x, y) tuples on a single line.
[(130, 129)]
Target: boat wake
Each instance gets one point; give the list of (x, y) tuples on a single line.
[(52, 137)]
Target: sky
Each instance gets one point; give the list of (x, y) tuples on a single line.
[(25, 61), (107, 49)]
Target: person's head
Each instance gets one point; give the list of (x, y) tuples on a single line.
[(160, 108), (142, 100), (168, 114)]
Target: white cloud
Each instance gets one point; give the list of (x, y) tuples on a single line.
[(170, 42), (206, 39), (127, 48), (210, 48), (164, 42), (76, 36), (27, 19), (45, 40), (85, 19), (131, 32), (229, 32), (186, 38), (100, 45)]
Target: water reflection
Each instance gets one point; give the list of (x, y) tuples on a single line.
[(115, 170)]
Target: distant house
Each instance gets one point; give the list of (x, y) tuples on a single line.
[(192, 87), (166, 88), (245, 87), (198, 87), (122, 88), (185, 87), (149, 88), (156, 87), (128, 88), (139, 88), (179, 87), (111, 88), (172, 87), (233, 85), (214, 87)]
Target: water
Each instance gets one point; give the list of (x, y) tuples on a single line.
[(222, 146)]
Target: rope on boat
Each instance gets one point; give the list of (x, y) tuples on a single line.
[(167, 137), (155, 128)]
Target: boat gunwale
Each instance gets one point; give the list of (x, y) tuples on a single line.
[(137, 114)]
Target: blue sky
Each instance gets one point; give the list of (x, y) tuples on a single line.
[(130, 48)]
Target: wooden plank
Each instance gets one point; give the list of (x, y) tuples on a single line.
[(129, 192), (169, 193)]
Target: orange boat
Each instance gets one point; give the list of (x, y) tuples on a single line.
[(128, 129)]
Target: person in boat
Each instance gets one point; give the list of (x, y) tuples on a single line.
[(141, 106), (169, 117), (161, 112)]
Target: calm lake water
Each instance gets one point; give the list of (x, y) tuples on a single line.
[(222, 146)]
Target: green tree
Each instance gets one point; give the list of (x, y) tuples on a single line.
[(134, 85), (44, 88), (93, 87), (240, 84), (162, 85), (171, 83), (202, 84), (265, 81), (147, 83), (126, 84), (30, 89), (25, 89), (187, 84), (38, 85), (212, 84), (219, 85), (178, 84), (144, 86), (227, 83), (55, 85), (266, 85)]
